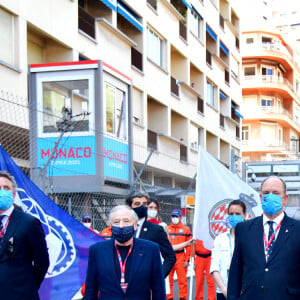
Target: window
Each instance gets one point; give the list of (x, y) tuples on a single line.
[(235, 66), (266, 71), (195, 136), (245, 133), (196, 24), (249, 71), (66, 106), (137, 106), (266, 104), (152, 3), (115, 104), (155, 48), (7, 37), (210, 94), (200, 106), (266, 40), (249, 41)]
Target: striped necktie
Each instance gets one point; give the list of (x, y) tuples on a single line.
[(1, 226)]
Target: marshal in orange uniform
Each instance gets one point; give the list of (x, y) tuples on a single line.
[(202, 266), (179, 233), (106, 233)]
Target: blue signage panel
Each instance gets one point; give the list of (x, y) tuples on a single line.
[(115, 159), (74, 156)]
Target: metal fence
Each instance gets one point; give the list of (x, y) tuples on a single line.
[(14, 137)]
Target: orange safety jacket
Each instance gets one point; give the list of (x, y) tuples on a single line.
[(178, 234), (200, 250), (106, 233)]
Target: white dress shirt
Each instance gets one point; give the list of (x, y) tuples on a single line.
[(221, 255), (276, 221)]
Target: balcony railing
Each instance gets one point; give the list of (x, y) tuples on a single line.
[(276, 47), (260, 79), (137, 59), (86, 22)]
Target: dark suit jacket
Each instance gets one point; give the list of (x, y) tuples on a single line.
[(24, 258), (251, 277), (145, 274), (155, 233)]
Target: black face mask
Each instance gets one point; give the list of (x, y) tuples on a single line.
[(122, 234), (141, 211)]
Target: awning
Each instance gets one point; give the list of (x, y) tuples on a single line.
[(224, 48), (223, 96), (237, 113), (185, 2), (112, 4), (211, 33), (196, 11), (129, 17)]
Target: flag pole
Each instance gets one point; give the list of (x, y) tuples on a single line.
[(192, 273)]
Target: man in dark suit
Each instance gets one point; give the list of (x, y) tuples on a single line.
[(266, 259), (138, 201), (24, 256), (124, 267)]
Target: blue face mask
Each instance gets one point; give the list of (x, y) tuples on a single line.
[(271, 204), (122, 234), (234, 219), (6, 199)]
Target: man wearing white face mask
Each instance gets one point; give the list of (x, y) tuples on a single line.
[(266, 259), (178, 234)]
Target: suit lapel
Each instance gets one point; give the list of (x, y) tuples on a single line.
[(259, 240), (283, 235), (137, 258), (11, 228)]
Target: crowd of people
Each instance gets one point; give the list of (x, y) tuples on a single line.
[(140, 255)]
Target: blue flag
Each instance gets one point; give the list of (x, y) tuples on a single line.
[(67, 239)]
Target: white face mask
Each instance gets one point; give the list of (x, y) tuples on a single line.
[(152, 213), (88, 225), (175, 221)]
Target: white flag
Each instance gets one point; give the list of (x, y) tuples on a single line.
[(216, 187)]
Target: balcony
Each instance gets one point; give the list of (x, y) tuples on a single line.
[(271, 81), (252, 49)]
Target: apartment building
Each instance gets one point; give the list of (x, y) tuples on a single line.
[(181, 60), (271, 97)]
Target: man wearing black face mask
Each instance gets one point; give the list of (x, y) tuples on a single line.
[(118, 266), (138, 201)]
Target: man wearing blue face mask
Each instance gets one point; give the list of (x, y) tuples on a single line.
[(223, 248), (24, 256), (124, 267), (266, 259)]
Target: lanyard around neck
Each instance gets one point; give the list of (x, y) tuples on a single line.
[(5, 226), (267, 242), (123, 266)]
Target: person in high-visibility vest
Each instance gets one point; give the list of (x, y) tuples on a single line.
[(179, 233), (106, 233), (202, 268)]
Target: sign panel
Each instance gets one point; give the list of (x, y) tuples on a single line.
[(74, 156), (116, 163)]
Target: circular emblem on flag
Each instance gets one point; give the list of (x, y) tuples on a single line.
[(218, 214), (62, 251)]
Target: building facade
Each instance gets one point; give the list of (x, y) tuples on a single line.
[(182, 59)]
